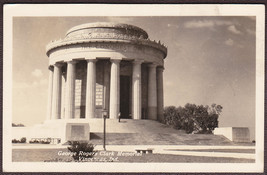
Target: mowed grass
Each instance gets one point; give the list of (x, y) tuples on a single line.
[(52, 155)]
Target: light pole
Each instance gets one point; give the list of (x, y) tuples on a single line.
[(104, 115)]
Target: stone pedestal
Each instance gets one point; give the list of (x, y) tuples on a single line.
[(235, 134), (63, 130)]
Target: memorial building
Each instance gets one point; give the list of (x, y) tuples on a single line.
[(105, 66), (100, 67)]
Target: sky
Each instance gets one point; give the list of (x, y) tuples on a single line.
[(210, 60)]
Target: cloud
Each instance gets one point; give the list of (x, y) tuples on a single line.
[(251, 32), (229, 42), (172, 25), (120, 19), (169, 83), (199, 24), (35, 84), (206, 23), (37, 73), (223, 23), (234, 30)]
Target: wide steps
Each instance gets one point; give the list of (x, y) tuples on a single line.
[(147, 132)]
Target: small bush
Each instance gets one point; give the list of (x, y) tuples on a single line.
[(76, 146), (42, 141), (34, 141), (23, 140), (15, 141)]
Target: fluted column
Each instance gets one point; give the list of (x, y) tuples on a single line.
[(152, 92), (160, 98), (56, 95), (114, 89), (50, 93), (70, 90), (136, 90), (90, 88)]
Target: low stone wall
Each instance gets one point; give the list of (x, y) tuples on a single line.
[(235, 134), (56, 129)]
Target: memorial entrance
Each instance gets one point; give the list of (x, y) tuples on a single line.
[(125, 107)]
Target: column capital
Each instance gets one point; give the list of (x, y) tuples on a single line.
[(72, 62), (91, 60), (115, 60), (160, 68), (51, 67), (58, 64), (138, 61), (152, 65)]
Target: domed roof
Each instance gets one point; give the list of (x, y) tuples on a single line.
[(107, 27), (107, 34)]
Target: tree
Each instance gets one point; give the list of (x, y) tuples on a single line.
[(191, 117)]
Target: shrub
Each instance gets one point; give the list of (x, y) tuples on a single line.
[(76, 146), (193, 118), (48, 141), (34, 141), (15, 141), (23, 140)]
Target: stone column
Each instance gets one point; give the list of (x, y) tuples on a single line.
[(136, 90), (56, 95), (63, 96), (90, 89), (160, 98), (70, 90), (50, 92), (114, 106), (152, 92)]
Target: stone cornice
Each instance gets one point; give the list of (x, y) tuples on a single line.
[(105, 38)]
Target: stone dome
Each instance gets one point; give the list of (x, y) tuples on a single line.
[(106, 27)]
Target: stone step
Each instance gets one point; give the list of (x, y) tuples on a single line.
[(145, 132), (158, 139), (129, 126)]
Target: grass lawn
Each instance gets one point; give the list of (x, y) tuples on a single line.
[(52, 155)]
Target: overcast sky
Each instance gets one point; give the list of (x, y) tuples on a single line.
[(210, 60)]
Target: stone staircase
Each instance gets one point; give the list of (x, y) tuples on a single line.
[(147, 132)]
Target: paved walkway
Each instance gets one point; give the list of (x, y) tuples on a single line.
[(165, 149)]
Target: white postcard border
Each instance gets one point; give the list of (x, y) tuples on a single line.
[(13, 10)]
